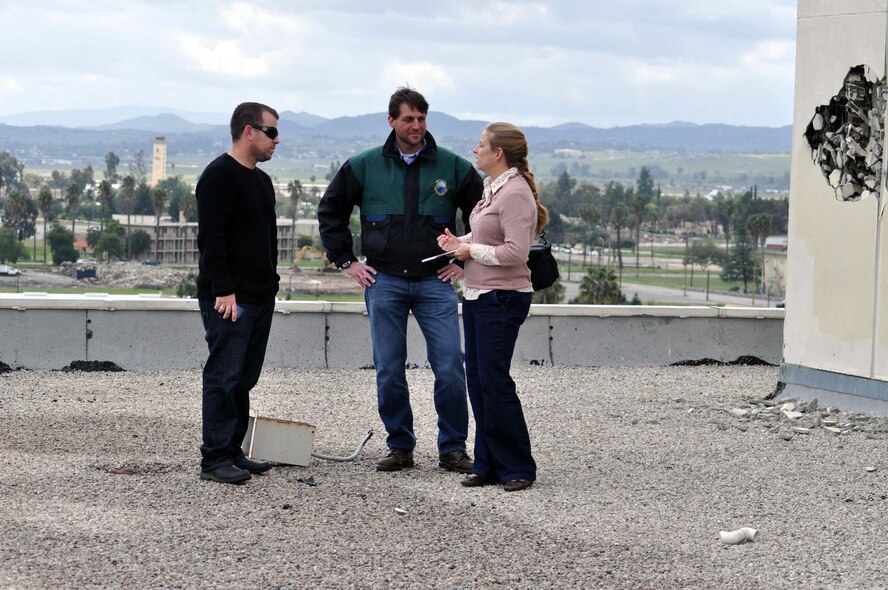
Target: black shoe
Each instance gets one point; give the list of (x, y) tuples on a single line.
[(395, 460), (226, 474), (254, 467), (458, 461), (475, 481), (516, 485)]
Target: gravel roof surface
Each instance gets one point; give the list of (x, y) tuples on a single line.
[(639, 470)]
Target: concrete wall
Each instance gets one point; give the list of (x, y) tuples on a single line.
[(836, 336), (49, 332), (834, 274)]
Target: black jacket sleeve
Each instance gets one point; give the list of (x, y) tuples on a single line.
[(334, 212)]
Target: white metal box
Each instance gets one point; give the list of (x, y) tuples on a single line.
[(275, 439)]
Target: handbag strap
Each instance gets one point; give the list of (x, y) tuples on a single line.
[(543, 239)]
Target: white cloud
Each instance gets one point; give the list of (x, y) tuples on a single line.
[(10, 85), (222, 57), (428, 77), (529, 61)]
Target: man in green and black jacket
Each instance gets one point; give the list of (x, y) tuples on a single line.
[(408, 190)]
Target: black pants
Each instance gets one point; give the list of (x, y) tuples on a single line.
[(502, 443), (237, 352)]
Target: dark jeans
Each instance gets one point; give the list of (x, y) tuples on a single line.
[(502, 443), (237, 351), (433, 303)]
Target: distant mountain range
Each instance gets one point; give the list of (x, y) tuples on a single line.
[(91, 133)]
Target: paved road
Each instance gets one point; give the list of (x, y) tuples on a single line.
[(666, 295)]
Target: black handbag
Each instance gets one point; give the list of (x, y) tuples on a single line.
[(542, 264)]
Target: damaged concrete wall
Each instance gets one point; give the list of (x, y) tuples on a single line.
[(836, 266)]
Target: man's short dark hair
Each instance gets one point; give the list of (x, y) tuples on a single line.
[(404, 95), (248, 113)]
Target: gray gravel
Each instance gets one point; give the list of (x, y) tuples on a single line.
[(639, 470)]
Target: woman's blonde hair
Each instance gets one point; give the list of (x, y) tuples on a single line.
[(511, 140)]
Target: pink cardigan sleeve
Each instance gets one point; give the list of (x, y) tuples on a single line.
[(518, 216)]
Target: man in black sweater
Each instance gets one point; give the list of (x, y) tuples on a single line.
[(236, 286)]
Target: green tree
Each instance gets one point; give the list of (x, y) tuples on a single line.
[(139, 243), (158, 201), (137, 167), (20, 213), (703, 253), (112, 160), (111, 241), (645, 183), (187, 287), (599, 287), (44, 202), (58, 180), (12, 173), (554, 294), (61, 241), (9, 245), (739, 265)]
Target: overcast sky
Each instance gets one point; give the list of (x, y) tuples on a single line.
[(601, 62)]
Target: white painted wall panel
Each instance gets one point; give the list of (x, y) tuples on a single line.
[(831, 265)]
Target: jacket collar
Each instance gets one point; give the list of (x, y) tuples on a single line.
[(428, 152)]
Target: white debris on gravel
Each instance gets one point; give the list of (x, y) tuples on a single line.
[(99, 486)]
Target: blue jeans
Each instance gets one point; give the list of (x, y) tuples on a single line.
[(433, 303), (237, 351), (502, 443)]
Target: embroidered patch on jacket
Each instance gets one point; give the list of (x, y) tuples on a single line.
[(440, 187)]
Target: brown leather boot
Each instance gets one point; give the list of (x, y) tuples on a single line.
[(458, 461), (395, 460)]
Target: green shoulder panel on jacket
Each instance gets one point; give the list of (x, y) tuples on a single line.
[(383, 182)]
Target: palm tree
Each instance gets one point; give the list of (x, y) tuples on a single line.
[(128, 190), (652, 213), (187, 204), (158, 200), (591, 216), (295, 188), (730, 207), (105, 193), (619, 218), (72, 197), (639, 202), (44, 202), (599, 287), (759, 226)]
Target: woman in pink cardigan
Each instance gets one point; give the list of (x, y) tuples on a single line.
[(496, 298)]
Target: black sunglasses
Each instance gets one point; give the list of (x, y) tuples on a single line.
[(271, 132)]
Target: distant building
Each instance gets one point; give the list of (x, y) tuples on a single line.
[(568, 153), (178, 241), (159, 160)]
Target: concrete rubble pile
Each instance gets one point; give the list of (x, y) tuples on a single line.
[(846, 136), (129, 275), (790, 418)]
